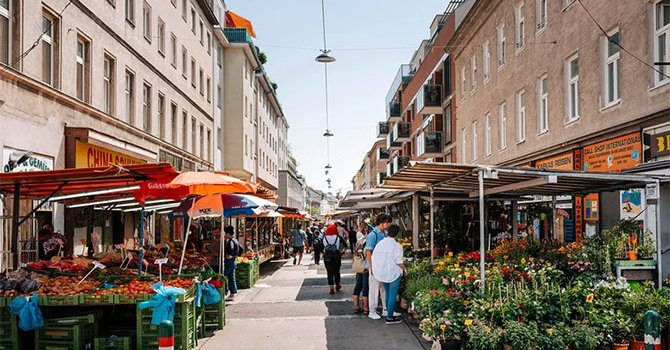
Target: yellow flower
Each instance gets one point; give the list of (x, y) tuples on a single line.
[(589, 298), (457, 266), (550, 331), (451, 254), (468, 322), (523, 261), (443, 327)]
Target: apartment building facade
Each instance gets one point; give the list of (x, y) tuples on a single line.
[(373, 170)]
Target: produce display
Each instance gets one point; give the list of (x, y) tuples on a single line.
[(247, 271)]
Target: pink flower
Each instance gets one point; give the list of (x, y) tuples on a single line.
[(448, 323)]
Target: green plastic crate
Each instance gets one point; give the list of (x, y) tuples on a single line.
[(69, 337), (121, 340), (185, 330), (131, 298), (9, 332), (59, 300), (92, 299), (89, 319), (55, 345)]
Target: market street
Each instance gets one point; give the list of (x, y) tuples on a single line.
[(290, 309)]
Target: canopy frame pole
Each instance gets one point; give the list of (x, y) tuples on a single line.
[(42, 203), (16, 206), (183, 251), (482, 239), (221, 248), (554, 219), (659, 253), (432, 228), (515, 219), (416, 217), (140, 234)]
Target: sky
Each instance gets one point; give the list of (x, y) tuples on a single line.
[(370, 40)]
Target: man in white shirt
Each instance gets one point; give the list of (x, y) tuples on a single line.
[(388, 267)]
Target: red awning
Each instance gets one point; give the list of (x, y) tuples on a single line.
[(236, 21), (41, 184)]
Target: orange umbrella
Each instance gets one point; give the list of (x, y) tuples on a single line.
[(189, 183), (236, 21)]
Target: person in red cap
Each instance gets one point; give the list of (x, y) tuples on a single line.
[(332, 257)]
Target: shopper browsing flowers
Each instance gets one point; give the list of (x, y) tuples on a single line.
[(387, 268)]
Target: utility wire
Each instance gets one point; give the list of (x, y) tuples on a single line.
[(35, 43), (609, 38)]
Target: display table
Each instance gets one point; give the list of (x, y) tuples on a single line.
[(636, 270)]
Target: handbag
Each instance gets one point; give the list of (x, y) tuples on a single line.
[(358, 265)]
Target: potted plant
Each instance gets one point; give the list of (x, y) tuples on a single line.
[(553, 337), (483, 335), (646, 250), (584, 337), (446, 329), (622, 331), (520, 336)]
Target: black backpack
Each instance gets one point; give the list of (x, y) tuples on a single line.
[(332, 251)]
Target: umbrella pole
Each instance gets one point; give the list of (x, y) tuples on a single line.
[(183, 250), (140, 234), (221, 249), (482, 239)]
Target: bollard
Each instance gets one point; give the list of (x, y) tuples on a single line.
[(652, 331), (166, 335)]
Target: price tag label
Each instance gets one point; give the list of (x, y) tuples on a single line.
[(99, 265), (161, 261)]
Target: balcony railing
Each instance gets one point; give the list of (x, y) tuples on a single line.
[(237, 35), (401, 132), (393, 112), (429, 99), (382, 129), (389, 169), (392, 144), (382, 154), (429, 144), (400, 162), (381, 176), (404, 75)]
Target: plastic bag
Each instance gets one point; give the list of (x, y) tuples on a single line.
[(163, 302), (30, 315), (211, 295)]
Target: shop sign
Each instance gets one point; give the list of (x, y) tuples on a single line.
[(91, 156), (16, 161), (660, 144), (591, 207), (563, 161), (631, 203), (614, 155), (651, 191)]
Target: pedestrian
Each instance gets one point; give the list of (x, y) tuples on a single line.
[(213, 248), (388, 268), (362, 287), (310, 241), (48, 245), (231, 251), (352, 240), (362, 231), (317, 244), (298, 240), (382, 223), (332, 257)]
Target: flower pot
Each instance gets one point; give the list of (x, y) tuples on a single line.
[(636, 345), (616, 346), (632, 255), (507, 347), (450, 345)]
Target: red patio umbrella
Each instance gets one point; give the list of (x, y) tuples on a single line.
[(190, 183)]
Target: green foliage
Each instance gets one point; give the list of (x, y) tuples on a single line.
[(552, 338), (646, 249), (484, 336), (521, 336), (262, 57), (584, 337), (418, 283)]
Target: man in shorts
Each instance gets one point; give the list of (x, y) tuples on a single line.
[(298, 240)]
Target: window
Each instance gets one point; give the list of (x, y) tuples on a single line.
[(209, 42), (184, 10), (473, 70), (130, 97), (202, 141), (108, 85), (83, 72), (49, 42), (487, 134), (501, 45), (173, 50), (162, 123), (174, 3), (611, 67), (219, 138), (146, 19), (130, 11), (202, 81), (5, 42), (194, 135), (246, 145), (521, 116), (184, 126), (519, 29), (209, 145), (572, 83), (475, 140), (541, 14), (193, 20), (146, 107), (219, 96), (184, 62), (161, 37), (209, 89), (662, 40), (567, 3), (543, 105), (193, 71), (202, 34), (486, 56), (503, 126), (463, 82), (219, 55), (173, 122)]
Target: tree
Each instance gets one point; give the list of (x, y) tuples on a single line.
[(262, 57)]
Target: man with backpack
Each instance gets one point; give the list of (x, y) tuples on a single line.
[(298, 240), (231, 251), (317, 243), (332, 257), (382, 222)]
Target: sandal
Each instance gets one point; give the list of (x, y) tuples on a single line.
[(357, 310), (366, 312)]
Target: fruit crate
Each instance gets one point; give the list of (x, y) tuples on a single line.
[(93, 299), (131, 298), (89, 319), (9, 332), (184, 328), (69, 337), (119, 340), (59, 300), (244, 275), (214, 316)]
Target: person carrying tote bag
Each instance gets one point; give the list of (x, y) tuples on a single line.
[(362, 287)]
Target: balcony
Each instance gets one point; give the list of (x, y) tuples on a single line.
[(391, 144), (381, 176), (429, 144), (429, 100), (401, 132), (382, 154), (238, 35), (393, 112), (382, 129), (399, 162), (389, 169)]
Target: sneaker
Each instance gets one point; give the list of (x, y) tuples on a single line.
[(394, 320), (375, 316), (332, 291), (294, 261), (395, 314), (338, 288)]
